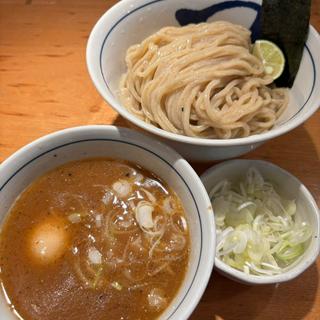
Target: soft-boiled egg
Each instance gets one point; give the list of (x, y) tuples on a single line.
[(48, 240)]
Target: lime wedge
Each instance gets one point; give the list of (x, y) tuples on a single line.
[(271, 56)]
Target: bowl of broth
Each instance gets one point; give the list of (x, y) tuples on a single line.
[(100, 222), (191, 77)]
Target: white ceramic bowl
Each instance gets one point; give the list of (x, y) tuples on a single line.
[(291, 188), (131, 21), (18, 171)]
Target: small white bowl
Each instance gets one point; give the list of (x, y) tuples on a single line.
[(44, 154), (131, 21), (291, 188)]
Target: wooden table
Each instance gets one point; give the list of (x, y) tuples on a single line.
[(45, 86)]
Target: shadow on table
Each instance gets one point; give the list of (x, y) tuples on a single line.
[(122, 122), (280, 150), (228, 300)]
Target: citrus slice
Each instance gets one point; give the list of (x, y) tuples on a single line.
[(271, 56)]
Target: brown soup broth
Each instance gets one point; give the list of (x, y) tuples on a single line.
[(94, 239)]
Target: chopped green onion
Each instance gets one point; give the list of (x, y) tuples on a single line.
[(258, 231), (116, 285), (97, 277)]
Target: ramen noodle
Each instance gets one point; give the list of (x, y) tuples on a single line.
[(201, 81)]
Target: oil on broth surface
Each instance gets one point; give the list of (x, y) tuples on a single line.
[(94, 239)]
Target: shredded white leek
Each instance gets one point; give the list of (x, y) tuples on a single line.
[(143, 214), (74, 217), (94, 256), (258, 231), (157, 299), (122, 188)]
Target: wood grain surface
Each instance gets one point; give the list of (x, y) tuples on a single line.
[(45, 86)]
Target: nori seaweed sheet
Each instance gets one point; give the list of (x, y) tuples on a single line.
[(286, 23)]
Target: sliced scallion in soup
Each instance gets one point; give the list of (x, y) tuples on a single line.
[(94, 239)]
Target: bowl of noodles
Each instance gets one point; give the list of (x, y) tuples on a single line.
[(185, 72)]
